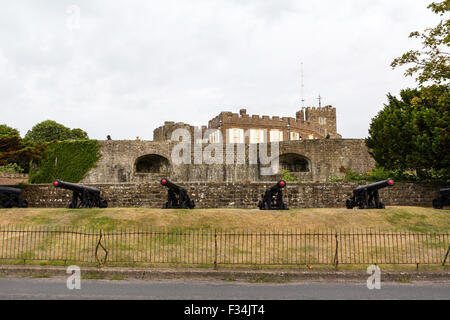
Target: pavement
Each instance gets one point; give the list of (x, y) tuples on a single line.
[(55, 288), (224, 274)]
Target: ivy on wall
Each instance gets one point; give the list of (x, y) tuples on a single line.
[(67, 160)]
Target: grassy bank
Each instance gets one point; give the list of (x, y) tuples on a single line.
[(415, 219), (135, 236)]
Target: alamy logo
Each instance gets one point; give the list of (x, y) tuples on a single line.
[(74, 281), (374, 281), (213, 153)]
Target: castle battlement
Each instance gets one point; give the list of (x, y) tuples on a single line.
[(309, 123)]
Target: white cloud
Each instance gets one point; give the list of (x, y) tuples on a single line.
[(134, 64)]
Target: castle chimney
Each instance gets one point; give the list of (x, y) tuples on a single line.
[(243, 112)]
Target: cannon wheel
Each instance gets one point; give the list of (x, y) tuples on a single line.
[(260, 205), (349, 204), (437, 204), (103, 203), (70, 206), (381, 205), (23, 204)]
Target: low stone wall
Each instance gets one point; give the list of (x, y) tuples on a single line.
[(233, 195), (12, 178)]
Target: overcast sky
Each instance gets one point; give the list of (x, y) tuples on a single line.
[(125, 67)]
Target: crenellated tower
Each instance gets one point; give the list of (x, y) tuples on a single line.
[(324, 117)]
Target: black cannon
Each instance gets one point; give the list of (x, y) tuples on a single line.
[(10, 197), (82, 197), (443, 200), (367, 197), (177, 197), (273, 198)]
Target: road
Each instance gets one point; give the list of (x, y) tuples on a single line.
[(55, 288)]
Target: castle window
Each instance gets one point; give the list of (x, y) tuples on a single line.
[(258, 136), (276, 136), (152, 163), (295, 136), (311, 137), (215, 137), (235, 135), (322, 120)]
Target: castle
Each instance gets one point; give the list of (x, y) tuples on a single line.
[(309, 148), (309, 123)]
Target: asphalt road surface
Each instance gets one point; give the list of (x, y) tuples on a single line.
[(56, 288)]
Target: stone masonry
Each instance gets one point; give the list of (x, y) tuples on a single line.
[(325, 158), (233, 195), (309, 123)]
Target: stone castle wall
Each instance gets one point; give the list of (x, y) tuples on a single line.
[(233, 195), (306, 123), (326, 158), (328, 113), (12, 178)]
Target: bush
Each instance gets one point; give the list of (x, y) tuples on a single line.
[(287, 176), (11, 168), (379, 174)]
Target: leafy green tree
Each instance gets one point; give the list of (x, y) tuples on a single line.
[(13, 149), (413, 132), (78, 134), (432, 62), (49, 131)]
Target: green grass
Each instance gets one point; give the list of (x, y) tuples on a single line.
[(41, 275), (92, 276), (404, 279), (269, 279), (415, 219), (165, 248)]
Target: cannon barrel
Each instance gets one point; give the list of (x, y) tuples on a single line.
[(74, 187), (169, 184), (10, 197), (10, 190), (276, 187), (177, 197), (273, 197), (367, 196), (82, 196), (443, 200), (376, 185)]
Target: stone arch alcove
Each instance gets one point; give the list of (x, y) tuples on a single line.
[(293, 162), (152, 163)]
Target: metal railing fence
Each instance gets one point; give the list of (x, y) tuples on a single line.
[(219, 247)]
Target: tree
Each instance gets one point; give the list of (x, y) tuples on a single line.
[(432, 63), (13, 149), (413, 132), (78, 134), (49, 131)]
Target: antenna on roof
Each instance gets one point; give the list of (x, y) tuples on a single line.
[(302, 85), (320, 100)]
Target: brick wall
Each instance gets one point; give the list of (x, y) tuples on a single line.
[(234, 195)]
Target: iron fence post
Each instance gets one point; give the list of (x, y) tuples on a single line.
[(336, 259), (446, 256), (215, 249)]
